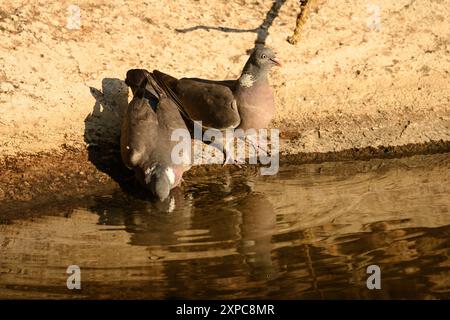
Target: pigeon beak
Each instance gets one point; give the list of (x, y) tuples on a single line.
[(276, 61)]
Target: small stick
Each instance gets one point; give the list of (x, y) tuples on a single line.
[(305, 8)]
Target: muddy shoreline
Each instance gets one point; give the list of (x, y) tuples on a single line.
[(28, 181)]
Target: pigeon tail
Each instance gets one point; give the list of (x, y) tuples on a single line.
[(137, 79)]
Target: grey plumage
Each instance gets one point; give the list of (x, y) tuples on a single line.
[(145, 141), (244, 103)]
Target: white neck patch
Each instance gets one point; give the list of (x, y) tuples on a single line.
[(246, 80), (170, 174), (149, 170)]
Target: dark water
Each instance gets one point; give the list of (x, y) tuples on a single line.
[(309, 232)]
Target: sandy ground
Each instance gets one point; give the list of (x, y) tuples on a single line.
[(353, 82), (350, 82)]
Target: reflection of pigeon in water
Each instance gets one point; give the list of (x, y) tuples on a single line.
[(258, 226), (145, 141), (246, 103)]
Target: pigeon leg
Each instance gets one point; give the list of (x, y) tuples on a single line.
[(228, 154)]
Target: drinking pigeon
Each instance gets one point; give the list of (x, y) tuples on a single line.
[(145, 140)]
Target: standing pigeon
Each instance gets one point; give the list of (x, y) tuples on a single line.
[(145, 142), (244, 103)]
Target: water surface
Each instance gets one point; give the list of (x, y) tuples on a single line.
[(308, 232)]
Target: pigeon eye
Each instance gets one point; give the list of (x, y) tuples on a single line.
[(263, 56)]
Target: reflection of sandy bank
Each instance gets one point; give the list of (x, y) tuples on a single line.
[(359, 193)]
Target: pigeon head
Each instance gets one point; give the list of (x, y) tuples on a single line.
[(159, 180), (258, 65), (264, 58)]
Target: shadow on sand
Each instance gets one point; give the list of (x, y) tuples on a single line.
[(102, 130), (262, 30)]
